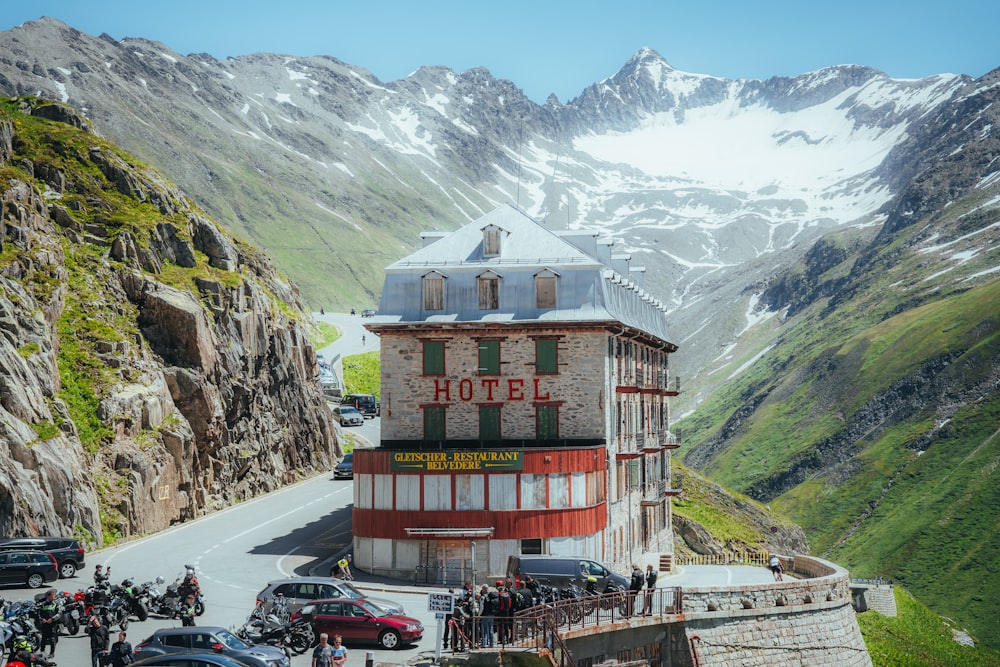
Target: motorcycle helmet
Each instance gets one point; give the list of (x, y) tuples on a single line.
[(127, 583), (160, 580), (21, 643)]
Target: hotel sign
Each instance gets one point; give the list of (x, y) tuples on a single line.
[(440, 461)]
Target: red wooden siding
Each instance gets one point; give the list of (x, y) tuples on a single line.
[(536, 461), (513, 524)]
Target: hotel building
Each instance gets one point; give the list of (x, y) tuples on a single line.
[(525, 406)]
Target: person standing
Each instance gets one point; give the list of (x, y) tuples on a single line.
[(100, 576), (339, 656), (187, 611), (48, 621), (651, 576), (488, 601), (634, 586), (323, 653), (98, 640), (121, 652)]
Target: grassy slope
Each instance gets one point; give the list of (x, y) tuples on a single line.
[(880, 490), (917, 637)]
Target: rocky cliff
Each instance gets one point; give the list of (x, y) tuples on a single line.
[(152, 368)]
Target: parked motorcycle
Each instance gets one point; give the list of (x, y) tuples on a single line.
[(19, 618), (169, 601), (293, 637), (134, 597), (70, 612)]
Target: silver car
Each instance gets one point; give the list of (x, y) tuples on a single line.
[(347, 415), (300, 591)]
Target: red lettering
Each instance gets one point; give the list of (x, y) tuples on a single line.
[(515, 390), (438, 390), (465, 389), (539, 397), (490, 384)]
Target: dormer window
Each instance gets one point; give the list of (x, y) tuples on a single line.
[(545, 288), (434, 291), (491, 240), (489, 291)]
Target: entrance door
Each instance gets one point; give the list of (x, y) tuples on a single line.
[(454, 562)]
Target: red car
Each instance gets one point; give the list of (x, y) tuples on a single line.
[(360, 621)]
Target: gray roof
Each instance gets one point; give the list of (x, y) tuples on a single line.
[(588, 289)]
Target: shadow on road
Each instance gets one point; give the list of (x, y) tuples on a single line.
[(318, 539)]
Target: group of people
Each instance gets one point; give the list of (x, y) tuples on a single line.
[(636, 582), (484, 618), (118, 655)]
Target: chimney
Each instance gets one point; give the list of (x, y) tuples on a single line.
[(430, 237)]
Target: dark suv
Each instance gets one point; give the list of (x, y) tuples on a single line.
[(68, 553), (365, 404), (22, 567), (209, 640)]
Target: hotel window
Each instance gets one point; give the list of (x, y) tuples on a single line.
[(489, 357), (547, 422), (433, 357), (546, 356), (489, 291), (434, 424), (434, 291), (491, 240), (489, 423), (545, 289)]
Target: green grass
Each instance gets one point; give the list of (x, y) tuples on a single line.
[(917, 637), (323, 334), (361, 374)]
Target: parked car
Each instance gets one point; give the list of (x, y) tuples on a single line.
[(191, 660), (347, 415), (211, 640), (67, 551), (26, 567), (561, 571), (300, 591), (363, 403), (368, 312), (360, 621), (345, 467)]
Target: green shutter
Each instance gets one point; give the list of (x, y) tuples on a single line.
[(547, 422), (545, 356), (489, 357), (434, 424), (433, 357), (489, 423)]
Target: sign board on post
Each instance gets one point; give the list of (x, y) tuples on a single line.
[(442, 602)]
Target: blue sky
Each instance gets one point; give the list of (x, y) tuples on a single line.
[(561, 47)]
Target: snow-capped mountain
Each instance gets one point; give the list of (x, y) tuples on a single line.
[(710, 184)]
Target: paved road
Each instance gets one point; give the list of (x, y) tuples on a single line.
[(236, 552)]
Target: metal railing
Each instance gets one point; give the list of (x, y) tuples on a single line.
[(725, 558), (531, 625)]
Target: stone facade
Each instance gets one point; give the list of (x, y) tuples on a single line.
[(578, 386)]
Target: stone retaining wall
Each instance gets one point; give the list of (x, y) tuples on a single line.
[(804, 622), (807, 621)]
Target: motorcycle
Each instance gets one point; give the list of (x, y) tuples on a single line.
[(293, 637), (117, 611), (70, 612), (134, 597), (167, 603), (18, 617)]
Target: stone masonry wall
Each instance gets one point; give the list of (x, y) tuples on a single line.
[(580, 384), (805, 621)]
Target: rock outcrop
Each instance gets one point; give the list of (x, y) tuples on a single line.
[(152, 368)]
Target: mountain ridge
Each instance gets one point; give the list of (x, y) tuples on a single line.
[(784, 221)]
